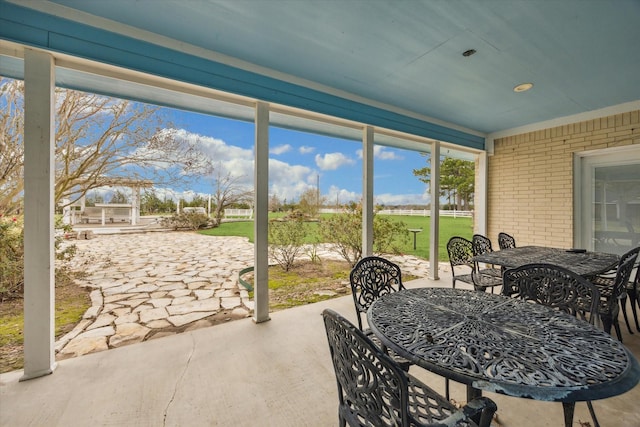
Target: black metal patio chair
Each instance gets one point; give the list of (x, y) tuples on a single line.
[(633, 287), (487, 277), (605, 281), (460, 251), (613, 291), (481, 245), (506, 241), (556, 287), (374, 391), (371, 278)]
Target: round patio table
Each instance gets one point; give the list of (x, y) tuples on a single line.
[(504, 345)]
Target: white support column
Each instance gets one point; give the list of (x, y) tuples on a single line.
[(367, 191), (480, 199), (39, 180), (434, 222), (261, 222), (135, 205)]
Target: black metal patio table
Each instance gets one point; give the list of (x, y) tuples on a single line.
[(504, 345), (584, 263)]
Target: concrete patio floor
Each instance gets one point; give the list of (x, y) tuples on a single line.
[(276, 373)]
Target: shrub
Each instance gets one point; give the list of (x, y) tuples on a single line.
[(344, 231), (188, 220), (285, 241), (12, 255)]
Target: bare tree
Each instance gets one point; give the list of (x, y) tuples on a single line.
[(227, 192), (11, 150), (274, 203), (310, 202), (97, 138)]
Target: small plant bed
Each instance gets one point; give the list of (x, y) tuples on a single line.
[(307, 282), (72, 301)]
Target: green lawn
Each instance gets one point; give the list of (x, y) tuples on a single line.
[(448, 227)]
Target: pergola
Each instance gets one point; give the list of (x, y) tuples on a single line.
[(132, 183), (420, 75)]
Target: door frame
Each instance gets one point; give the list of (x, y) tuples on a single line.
[(583, 166)]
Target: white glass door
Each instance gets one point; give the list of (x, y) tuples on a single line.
[(608, 197)]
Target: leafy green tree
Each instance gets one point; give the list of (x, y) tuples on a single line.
[(457, 180), (197, 201), (150, 203), (92, 200), (119, 197), (169, 206)]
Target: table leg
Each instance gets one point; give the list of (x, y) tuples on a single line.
[(473, 393), (568, 408)]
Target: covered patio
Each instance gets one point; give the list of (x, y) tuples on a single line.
[(531, 91), (276, 373)]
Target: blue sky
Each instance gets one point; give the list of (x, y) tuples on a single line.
[(298, 159)]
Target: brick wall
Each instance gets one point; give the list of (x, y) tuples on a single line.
[(530, 181)]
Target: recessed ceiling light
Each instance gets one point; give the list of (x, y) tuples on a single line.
[(468, 52), (523, 87)]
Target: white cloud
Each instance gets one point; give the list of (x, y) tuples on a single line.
[(341, 196), (306, 150), (289, 181), (227, 159), (381, 153), (280, 149), (286, 181), (402, 199), (333, 161)]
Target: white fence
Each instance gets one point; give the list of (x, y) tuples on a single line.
[(425, 212), (238, 213), (412, 212)]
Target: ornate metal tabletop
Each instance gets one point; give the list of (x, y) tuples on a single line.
[(584, 263), (504, 345)]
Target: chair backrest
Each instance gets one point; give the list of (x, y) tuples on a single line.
[(506, 241), (460, 252), (636, 280), (371, 278), (623, 273), (555, 287), (372, 389), (481, 244)]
